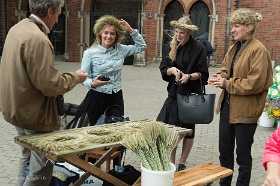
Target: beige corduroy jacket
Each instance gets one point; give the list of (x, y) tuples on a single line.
[(29, 81), (248, 87)]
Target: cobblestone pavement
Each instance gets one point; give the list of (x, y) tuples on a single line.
[(144, 93)]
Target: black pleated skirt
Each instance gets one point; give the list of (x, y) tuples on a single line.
[(93, 106), (169, 114)]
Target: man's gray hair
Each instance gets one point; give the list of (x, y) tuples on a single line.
[(40, 7)]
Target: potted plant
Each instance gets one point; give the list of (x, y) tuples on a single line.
[(271, 109), (267, 119)]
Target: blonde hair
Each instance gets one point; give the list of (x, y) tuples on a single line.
[(102, 23), (183, 23), (246, 17)]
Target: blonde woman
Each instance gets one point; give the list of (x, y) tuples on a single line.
[(183, 62), (106, 57), (245, 76)]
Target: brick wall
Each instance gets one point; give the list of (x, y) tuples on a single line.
[(150, 29), (268, 27), (73, 39), (266, 33), (11, 17)]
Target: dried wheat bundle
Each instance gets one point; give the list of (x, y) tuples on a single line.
[(137, 144), (58, 143), (150, 133), (166, 142), (109, 138), (136, 124), (153, 144), (98, 131)]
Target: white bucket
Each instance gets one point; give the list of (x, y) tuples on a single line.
[(265, 121), (160, 178)]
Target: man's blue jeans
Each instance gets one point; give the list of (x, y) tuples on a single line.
[(40, 168)]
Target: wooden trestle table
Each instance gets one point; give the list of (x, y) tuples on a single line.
[(70, 155)]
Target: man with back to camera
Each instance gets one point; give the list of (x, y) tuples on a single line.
[(30, 83)]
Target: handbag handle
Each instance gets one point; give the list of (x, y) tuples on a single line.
[(203, 92), (107, 109)]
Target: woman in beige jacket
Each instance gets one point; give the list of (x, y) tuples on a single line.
[(245, 76)]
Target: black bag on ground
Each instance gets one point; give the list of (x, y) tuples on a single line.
[(196, 108), (112, 114), (129, 175)]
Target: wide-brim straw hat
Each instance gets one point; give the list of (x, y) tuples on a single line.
[(184, 23)]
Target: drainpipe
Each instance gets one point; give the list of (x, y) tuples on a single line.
[(161, 34), (81, 16), (157, 31), (214, 20), (227, 26), (66, 35), (157, 36)]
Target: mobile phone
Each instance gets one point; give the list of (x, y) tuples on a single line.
[(178, 76), (104, 78)]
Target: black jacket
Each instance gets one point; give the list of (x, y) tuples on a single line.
[(190, 58)]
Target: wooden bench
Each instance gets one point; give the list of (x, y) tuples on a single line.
[(203, 174)]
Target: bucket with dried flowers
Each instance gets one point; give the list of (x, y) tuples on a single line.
[(153, 144)]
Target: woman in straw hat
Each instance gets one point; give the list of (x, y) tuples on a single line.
[(183, 63), (105, 58), (244, 77), (103, 61)]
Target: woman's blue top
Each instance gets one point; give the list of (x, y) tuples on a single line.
[(108, 62)]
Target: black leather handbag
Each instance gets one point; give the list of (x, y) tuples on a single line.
[(196, 108), (112, 114)]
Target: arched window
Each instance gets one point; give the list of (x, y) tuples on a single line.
[(199, 15), (125, 9), (173, 11)]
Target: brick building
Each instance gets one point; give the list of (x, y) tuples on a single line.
[(73, 33)]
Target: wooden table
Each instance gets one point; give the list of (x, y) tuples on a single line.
[(34, 142)]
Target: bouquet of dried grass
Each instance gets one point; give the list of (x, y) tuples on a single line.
[(153, 144)]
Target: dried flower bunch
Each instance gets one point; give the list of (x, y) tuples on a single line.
[(153, 144), (272, 108)]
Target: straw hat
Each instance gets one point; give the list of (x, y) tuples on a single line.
[(184, 23), (107, 20)]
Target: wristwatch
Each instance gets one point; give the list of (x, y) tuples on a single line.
[(190, 77)]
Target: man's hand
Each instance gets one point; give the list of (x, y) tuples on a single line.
[(82, 75)]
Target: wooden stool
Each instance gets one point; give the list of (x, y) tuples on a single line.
[(99, 153)]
